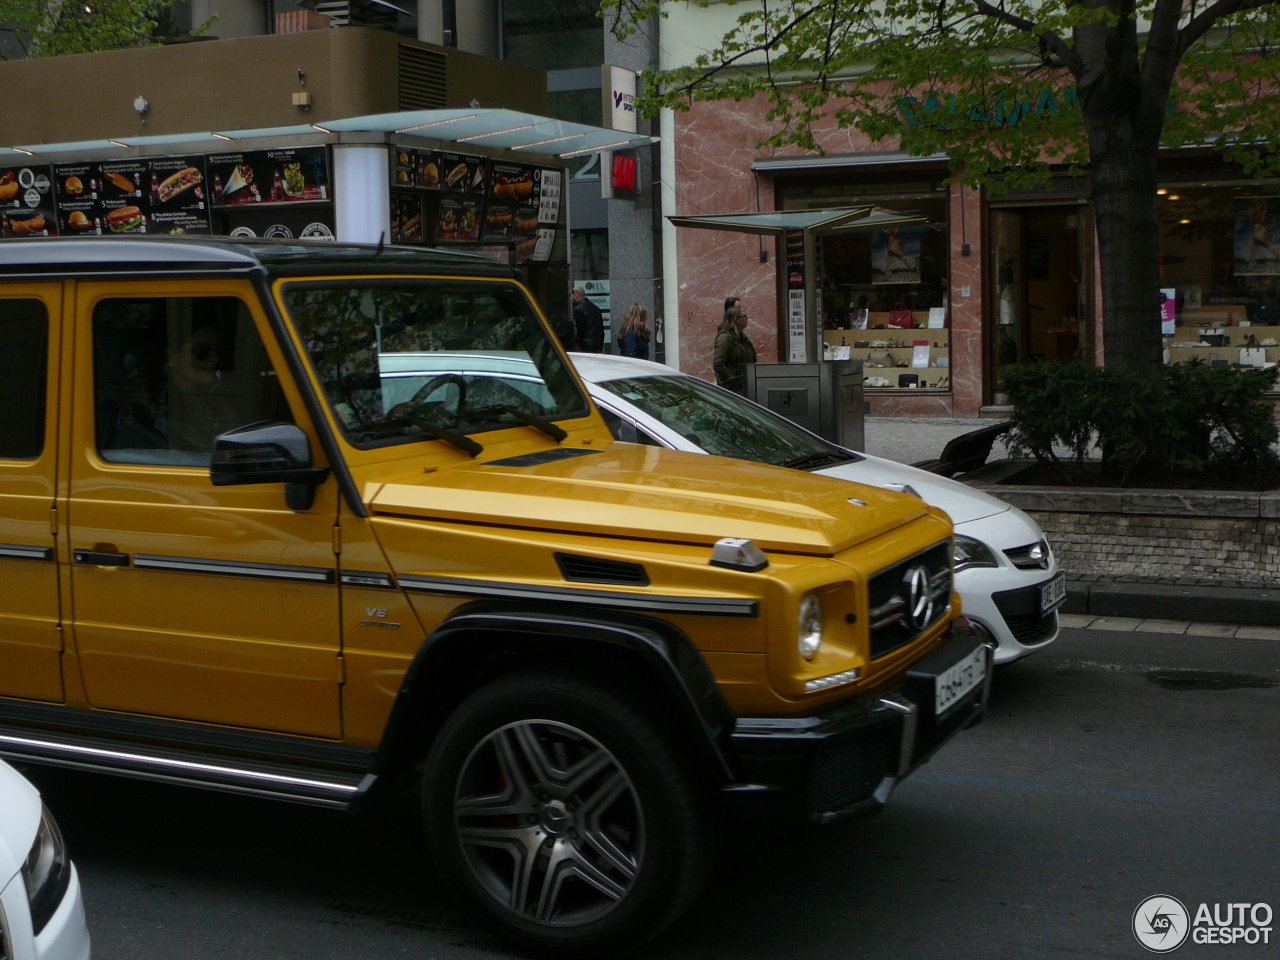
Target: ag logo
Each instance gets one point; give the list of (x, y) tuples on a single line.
[(1161, 924)]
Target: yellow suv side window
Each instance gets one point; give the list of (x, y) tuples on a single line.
[(24, 332), (172, 373)]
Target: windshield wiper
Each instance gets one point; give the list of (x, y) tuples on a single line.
[(546, 426), (816, 459), (465, 444)]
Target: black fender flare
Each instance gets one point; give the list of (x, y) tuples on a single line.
[(670, 656)]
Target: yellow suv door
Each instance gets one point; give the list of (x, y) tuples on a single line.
[(192, 601), (30, 635)]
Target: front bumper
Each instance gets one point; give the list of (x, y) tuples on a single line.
[(847, 760)]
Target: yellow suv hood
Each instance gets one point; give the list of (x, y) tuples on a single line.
[(628, 490)]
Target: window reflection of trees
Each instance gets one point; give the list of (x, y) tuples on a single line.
[(347, 329)]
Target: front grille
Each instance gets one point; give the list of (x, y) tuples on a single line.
[(848, 771), (422, 78), (895, 622), (1020, 609), (1032, 628)]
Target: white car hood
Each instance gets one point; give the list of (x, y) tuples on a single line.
[(19, 821), (961, 502)]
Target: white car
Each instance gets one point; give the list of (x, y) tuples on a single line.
[(1005, 571), (41, 913)]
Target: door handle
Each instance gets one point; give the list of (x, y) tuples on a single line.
[(94, 558)]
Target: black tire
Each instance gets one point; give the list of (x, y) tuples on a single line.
[(557, 773)]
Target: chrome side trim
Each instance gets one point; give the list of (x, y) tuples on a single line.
[(19, 552), (185, 771), (910, 716), (709, 606), (234, 568), (362, 578)]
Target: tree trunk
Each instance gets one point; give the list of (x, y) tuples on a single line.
[(1125, 209)]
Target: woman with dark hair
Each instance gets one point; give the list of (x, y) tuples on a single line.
[(633, 335), (734, 350)]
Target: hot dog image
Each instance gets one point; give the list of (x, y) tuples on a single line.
[(8, 186), (29, 225), (120, 182), (179, 182)]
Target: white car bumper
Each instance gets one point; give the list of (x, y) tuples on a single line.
[(1005, 598), (64, 937)]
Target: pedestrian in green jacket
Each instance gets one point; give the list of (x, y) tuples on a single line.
[(734, 351)]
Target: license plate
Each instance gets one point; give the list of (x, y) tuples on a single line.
[(1053, 594), (954, 682)]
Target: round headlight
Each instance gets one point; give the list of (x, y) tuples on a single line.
[(810, 625)]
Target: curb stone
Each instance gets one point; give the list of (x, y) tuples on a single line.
[(1245, 606)]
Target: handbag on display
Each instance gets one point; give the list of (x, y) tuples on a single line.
[(880, 360), (900, 316)]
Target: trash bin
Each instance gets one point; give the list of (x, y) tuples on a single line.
[(825, 397)]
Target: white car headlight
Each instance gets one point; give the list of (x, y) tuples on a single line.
[(46, 872), (968, 552), (810, 637)]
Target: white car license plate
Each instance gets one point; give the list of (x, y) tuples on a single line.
[(954, 682), (1053, 594)]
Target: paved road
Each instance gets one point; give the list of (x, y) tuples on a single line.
[(1114, 767)]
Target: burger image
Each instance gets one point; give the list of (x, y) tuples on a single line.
[(76, 220), (74, 185), (125, 220)]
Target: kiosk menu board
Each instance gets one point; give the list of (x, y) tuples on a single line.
[(270, 176), (158, 195)]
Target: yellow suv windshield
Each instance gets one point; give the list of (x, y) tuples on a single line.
[(400, 359)]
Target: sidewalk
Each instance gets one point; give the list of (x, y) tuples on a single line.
[(1128, 599)]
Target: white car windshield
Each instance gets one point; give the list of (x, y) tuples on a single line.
[(398, 359), (723, 423)]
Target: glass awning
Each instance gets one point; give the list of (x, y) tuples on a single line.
[(780, 221), (510, 130)]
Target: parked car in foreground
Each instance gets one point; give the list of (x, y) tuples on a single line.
[(1005, 570), (302, 521), (41, 913)]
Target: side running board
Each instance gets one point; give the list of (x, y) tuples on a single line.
[(296, 782)]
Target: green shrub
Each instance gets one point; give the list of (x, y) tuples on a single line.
[(1188, 418)]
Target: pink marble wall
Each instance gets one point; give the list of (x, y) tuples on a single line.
[(715, 147)]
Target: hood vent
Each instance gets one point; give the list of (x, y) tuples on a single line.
[(577, 569)]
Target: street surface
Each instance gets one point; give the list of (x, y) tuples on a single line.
[(1114, 766)]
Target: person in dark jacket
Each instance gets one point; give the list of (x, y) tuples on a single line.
[(633, 335), (589, 323), (734, 350)]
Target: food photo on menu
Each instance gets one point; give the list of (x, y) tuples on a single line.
[(461, 173), (513, 183), (26, 202), (458, 220), (499, 222), (406, 218), (178, 201), (269, 176)]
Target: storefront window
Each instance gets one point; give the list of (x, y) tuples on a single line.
[(1220, 268), (884, 291)]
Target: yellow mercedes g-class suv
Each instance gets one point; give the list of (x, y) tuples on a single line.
[(302, 520)]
